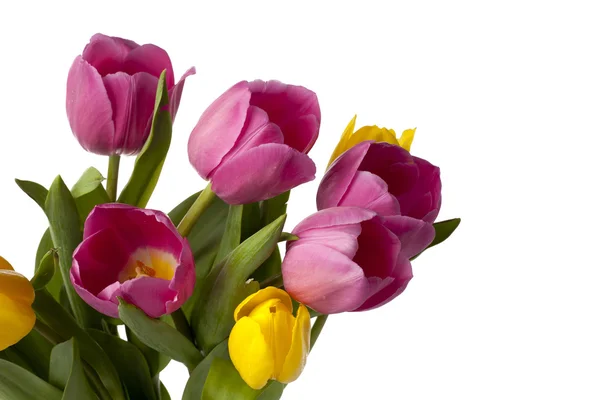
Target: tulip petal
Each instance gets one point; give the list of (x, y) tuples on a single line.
[(333, 217), (339, 176), (373, 133), (369, 191), (103, 306), (151, 59), (250, 353), (176, 91), (342, 238), (245, 307), (5, 265), (16, 287), (342, 145), (132, 99), (402, 274), (16, 319), (184, 280), (324, 279), (299, 349), (295, 109), (89, 109), (149, 294), (414, 234), (378, 249), (424, 198), (393, 164), (276, 168), (406, 139), (107, 54), (218, 128)]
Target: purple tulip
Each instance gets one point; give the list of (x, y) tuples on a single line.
[(111, 91), (135, 254), (251, 142), (384, 178), (348, 259)]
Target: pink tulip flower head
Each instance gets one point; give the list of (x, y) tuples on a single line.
[(251, 142), (135, 254), (111, 90), (384, 178), (347, 259)]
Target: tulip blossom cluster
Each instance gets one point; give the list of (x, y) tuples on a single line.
[(205, 284)]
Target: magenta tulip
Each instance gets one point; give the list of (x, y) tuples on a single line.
[(111, 89), (384, 178), (348, 259), (251, 142), (135, 254)]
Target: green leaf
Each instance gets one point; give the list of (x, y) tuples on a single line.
[(13, 355), (17, 383), (44, 247), (149, 162), (164, 393), (251, 220), (156, 361), (233, 232), (66, 371), (130, 364), (443, 230), (212, 319), (45, 272), (195, 384), (88, 192), (274, 208), (204, 239), (36, 350), (273, 391), (51, 312), (224, 382), (159, 335), (66, 236), (34, 190)]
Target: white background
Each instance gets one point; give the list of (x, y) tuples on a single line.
[(506, 98)]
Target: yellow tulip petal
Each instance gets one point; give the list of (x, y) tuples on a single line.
[(373, 133), (16, 319), (5, 264), (250, 353), (342, 145), (16, 287), (296, 358), (271, 292), (406, 139)]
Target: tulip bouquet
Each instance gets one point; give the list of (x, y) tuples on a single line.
[(120, 290)]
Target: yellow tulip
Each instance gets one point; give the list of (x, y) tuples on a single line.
[(267, 341), (350, 138), (16, 296)]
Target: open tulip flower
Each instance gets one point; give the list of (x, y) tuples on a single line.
[(267, 341), (348, 259), (251, 142), (111, 89), (16, 296), (385, 178), (135, 254)]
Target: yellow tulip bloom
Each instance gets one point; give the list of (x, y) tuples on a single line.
[(16, 296), (350, 138), (267, 341)]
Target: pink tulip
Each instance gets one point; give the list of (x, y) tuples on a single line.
[(384, 178), (347, 259), (135, 254), (252, 141), (111, 91)]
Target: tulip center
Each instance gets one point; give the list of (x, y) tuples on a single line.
[(149, 262)]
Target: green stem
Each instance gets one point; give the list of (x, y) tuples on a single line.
[(316, 329), (47, 332), (182, 325), (201, 204), (113, 177), (96, 383)]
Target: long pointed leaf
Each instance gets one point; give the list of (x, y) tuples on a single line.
[(17, 383)]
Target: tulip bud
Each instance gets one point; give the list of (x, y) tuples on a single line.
[(251, 142), (350, 138), (267, 341), (111, 90), (349, 259), (16, 297), (384, 178), (135, 254)]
